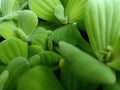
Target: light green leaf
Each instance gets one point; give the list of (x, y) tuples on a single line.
[(7, 29), (59, 13), (45, 9), (27, 21), (75, 10), (11, 48), (102, 24), (8, 6)]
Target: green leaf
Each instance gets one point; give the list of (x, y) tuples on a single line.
[(7, 29), (64, 2), (3, 78), (34, 60), (115, 86), (34, 49), (72, 82), (102, 24), (10, 16), (40, 37), (21, 34), (69, 34), (49, 58), (25, 18), (45, 9), (11, 48), (8, 6), (85, 66), (16, 67), (59, 13), (86, 47), (75, 10), (40, 78), (115, 56)]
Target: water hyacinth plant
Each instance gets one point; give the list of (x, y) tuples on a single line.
[(59, 45)]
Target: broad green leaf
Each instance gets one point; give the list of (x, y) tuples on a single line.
[(39, 78), (11, 48), (85, 66)]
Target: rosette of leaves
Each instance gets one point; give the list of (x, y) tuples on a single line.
[(102, 25)]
